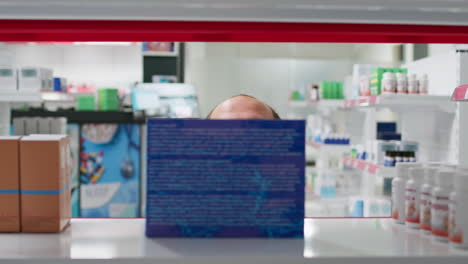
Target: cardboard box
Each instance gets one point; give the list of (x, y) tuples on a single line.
[(44, 181), (8, 79), (9, 185)]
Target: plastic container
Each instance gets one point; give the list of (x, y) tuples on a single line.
[(458, 212), (423, 84), (425, 199), (440, 204), (388, 83), (398, 191), (401, 83), (413, 187), (412, 84)]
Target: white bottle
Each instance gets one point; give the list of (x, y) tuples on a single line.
[(425, 199), (388, 83), (440, 204), (458, 212), (413, 187), (401, 83), (423, 84), (398, 191), (412, 84)]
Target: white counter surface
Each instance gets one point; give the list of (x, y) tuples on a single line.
[(326, 241)]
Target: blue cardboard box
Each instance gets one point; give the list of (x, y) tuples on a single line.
[(225, 178)]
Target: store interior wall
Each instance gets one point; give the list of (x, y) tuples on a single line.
[(101, 66)]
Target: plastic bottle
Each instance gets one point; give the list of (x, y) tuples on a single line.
[(458, 212), (440, 204), (413, 187), (401, 83), (398, 191), (388, 83), (425, 199), (423, 84), (412, 84)]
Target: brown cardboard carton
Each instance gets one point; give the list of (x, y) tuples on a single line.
[(9, 185), (44, 183)]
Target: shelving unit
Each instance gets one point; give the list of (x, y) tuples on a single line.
[(402, 100), (325, 241)]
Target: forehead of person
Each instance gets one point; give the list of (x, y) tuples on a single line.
[(242, 107)]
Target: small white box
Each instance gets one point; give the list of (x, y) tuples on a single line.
[(44, 125), (58, 126), (19, 126), (8, 79), (32, 125), (34, 79)]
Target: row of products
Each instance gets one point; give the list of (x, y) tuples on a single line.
[(23, 126), (336, 139), (108, 100), (373, 80), (35, 196), (331, 90), (394, 157), (324, 90), (433, 198), (30, 79)]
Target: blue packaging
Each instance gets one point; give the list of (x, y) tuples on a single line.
[(386, 127), (225, 178), (110, 170)]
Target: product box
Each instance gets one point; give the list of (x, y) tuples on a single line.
[(8, 79), (110, 175), (34, 79), (225, 178), (44, 183), (9, 184)]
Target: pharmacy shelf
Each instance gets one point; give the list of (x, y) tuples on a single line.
[(16, 97), (325, 241), (361, 165), (402, 100), (326, 103)]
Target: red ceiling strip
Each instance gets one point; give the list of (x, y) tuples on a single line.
[(210, 31)]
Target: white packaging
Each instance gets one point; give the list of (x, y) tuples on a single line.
[(412, 84), (44, 125), (33, 79), (401, 83), (31, 126), (8, 79), (19, 126), (440, 204), (388, 83), (412, 191), (425, 199), (58, 126), (382, 146), (458, 212), (398, 191), (423, 84)]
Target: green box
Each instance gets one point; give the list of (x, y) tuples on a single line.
[(85, 103), (108, 99)]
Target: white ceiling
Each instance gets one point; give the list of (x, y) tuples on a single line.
[(354, 11)]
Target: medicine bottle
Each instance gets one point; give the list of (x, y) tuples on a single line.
[(413, 187), (440, 204), (388, 83), (401, 83), (412, 84), (458, 212), (425, 199), (398, 191)]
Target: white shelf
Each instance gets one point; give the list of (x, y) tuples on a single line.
[(16, 97), (326, 241), (402, 100), (57, 97), (326, 103)]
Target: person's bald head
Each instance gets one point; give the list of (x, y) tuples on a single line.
[(243, 107)]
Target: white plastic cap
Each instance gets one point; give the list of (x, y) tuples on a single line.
[(461, 180), (430, 175), (445, 177), (417, 173), (403, 167)]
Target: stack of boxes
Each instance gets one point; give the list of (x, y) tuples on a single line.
[(331, 90), (108, 99), (34, 186), (26, 79)]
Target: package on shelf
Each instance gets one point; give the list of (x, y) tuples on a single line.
[(44, 180), (34, 79), (377, 78), (331, 90), (60, 84), (9, 184), (39, 125), (361, 81), (8, 79), (369, 206)]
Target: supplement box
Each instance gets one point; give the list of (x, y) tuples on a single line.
[(9, 185), (44, 180), (225, 178)]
